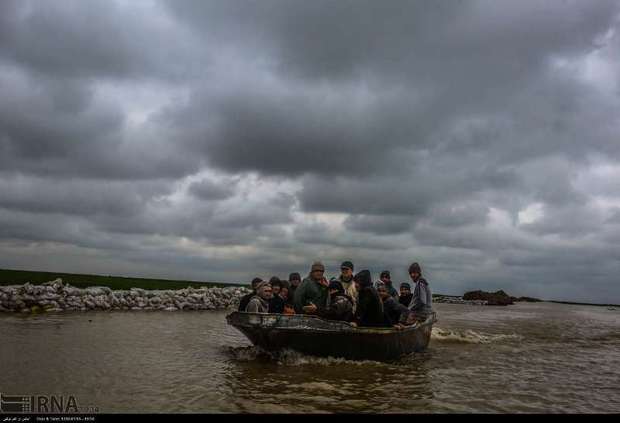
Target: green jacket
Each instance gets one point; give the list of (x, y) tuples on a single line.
[(310, 291)]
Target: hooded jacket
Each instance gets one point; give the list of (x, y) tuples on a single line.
[(349, 289), (421, 303), (340, 308), (369, 310)]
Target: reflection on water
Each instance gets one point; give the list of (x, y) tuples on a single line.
[(523, 358)]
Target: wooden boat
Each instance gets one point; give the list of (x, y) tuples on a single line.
[(316, 336)]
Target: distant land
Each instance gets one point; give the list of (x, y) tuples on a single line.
[(16, 277), (585, 304)]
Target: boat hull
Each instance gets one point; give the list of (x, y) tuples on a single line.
[(315, 336)]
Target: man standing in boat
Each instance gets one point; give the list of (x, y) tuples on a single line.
[(346, 280), (312, 294), (421, 302)]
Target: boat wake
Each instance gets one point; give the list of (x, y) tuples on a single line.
[(290, 357), (471, 337)]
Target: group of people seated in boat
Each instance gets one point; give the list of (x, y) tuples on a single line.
[(350, 298)]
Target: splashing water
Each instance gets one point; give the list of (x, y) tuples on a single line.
[(290, 357), (471, 336)]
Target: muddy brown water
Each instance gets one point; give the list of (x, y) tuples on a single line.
[(530, 357)]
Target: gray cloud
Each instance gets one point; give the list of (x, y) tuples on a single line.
[(78, 197), (210, 190), (378, 224), (614, 217), (73, 39)]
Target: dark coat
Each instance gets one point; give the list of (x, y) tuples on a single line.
[(394, 312), (276, 305), (243, 303), (369, 310), (405, 299), (340, 308), (291, 294)]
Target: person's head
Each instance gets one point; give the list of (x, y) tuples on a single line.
[(335, 287), (415, 271), (385, 277), (317, 270), (276, 284), (255, 283), (294, 278), (264, 291), (382, 290), (284, 286), (405, 289), (346, 270), (362, 279), (284, 292)]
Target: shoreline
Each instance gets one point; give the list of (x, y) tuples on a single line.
[(455, 299), (582, 304), (56, 296)]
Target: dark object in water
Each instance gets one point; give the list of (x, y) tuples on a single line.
[(315, 336), (492, 298)]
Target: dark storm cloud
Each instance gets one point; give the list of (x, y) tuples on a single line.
[(294, 130), (53, 117), (490, 98), (235, 137), (60, 127), (76, 39), (414, 189), (78, 197), (325, 39), (40, 120)]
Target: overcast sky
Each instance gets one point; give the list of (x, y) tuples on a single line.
[(220, 140)]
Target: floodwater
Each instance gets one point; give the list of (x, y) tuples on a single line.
[(529, 357)]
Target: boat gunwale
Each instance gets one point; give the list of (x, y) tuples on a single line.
[(347, 329)]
